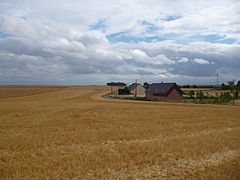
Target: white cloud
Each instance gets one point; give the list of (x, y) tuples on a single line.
[(139, 55), (183, 60), (201, 61), (64, 44), (162, 59), (93, 38)]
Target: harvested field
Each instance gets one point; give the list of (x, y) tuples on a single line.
[(73, 133), (195, 89), (206, 91), (16, 91)]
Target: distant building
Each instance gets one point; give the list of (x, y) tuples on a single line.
[(137, 89), (164, 92)]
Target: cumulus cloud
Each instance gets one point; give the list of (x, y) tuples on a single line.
[(93, 38), (93, 41), (139, 55), (183, 60), (201, 61), (162, 59)]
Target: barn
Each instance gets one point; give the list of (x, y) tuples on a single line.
[(164, 92)]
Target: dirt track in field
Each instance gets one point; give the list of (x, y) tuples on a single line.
[(73, 133)]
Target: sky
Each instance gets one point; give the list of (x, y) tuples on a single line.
[(78, 42)]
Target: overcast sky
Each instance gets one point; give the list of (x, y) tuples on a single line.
[(77, 42)]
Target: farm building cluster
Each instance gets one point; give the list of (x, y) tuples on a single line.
[(155, 91)]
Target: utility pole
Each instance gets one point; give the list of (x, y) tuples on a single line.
[(135, 95), (233, 92), (217, 78), (111, 88)]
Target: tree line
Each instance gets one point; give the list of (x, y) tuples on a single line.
[(116, 84)]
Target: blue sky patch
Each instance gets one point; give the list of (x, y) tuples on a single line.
[(99, 26), (124, 37), (228, 41), (172, 18), (150, 27), (213, 38), (114, 38), (4, 35)]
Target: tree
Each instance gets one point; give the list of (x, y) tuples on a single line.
[(236, 94), (191, 94), (116, 84), (237, 90), (227, 96), (231, 83), (238, 84), (123, 91), (201, 95), (186, 86), (146, 85), (197, 95)]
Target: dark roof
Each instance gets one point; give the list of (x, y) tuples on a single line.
[(163, 88), (133, 86)]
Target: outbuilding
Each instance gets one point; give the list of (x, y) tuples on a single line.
[(137, 89)]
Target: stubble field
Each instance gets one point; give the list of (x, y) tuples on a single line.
[(73, 133)]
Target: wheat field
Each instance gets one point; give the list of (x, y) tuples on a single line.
[(74, 133)]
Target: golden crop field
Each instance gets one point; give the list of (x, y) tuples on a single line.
[(207, 92), (73, 133)]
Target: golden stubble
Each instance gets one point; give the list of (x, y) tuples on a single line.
[(73, 133)]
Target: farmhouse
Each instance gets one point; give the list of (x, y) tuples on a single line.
[(137, 89), (164, 92)]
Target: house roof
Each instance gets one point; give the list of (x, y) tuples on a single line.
[(133, 86), (163, 88)]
